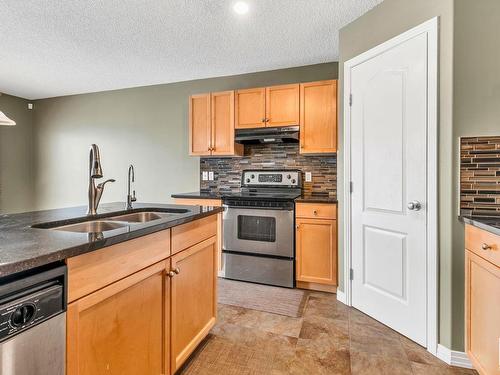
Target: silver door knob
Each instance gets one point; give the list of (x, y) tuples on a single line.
[(414, 205)]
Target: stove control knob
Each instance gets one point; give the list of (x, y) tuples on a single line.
[(289, 176), (293, 181), (252, 176), (248, 180)]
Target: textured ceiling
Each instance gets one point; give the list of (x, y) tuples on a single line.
[(61, 47)]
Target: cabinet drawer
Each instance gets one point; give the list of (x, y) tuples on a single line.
[(476, 238), (189, 234), (92, 271), (316, 210)]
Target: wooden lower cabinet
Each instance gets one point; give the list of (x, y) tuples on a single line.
[(194, 300), (150, 320), (316, 246), (121, 329), (316, 251), (482, 304)]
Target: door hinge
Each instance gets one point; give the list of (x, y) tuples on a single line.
[(351, 274), (350, 100), (351, 189)]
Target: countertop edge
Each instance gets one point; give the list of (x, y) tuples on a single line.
[(479, 223)]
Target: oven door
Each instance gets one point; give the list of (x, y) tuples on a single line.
[(258, 231)]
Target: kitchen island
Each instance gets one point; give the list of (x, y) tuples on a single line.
[(141, 285)]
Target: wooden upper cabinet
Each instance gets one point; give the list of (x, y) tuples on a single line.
[(211, 125), (318, 117), (223, 125), (250, 108), (282, 105), (121, 329), (199, 125), (194, 300)]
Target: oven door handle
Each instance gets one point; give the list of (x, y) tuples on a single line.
[(225, 207)]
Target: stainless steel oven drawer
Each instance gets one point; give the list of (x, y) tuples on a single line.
[(258, 269)]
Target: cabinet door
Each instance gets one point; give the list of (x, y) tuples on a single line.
[(194, 304), (223, 125), (282, 105), (121, 329), (250, 108), (199, 125), (482, 313), (318, 117), (316, 248)]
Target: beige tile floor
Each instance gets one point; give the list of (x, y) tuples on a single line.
[(329, 338)]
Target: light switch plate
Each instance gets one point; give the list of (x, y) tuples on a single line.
[(211, 176), (309, 177), (204, 176)]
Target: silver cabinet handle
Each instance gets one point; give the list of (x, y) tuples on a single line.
[(414, 206), (177, 270), (485, 246)]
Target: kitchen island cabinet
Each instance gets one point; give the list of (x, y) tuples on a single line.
[(149, 320)]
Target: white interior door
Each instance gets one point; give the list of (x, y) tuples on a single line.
[(388, 172)]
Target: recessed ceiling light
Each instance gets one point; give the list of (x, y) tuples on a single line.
[(240, 7)]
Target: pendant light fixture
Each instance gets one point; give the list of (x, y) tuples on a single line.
[(4, 120)]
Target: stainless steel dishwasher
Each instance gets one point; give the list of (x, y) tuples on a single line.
[(33, 322)]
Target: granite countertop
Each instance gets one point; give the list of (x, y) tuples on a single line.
[(490, 224), (23, 247), (199, 195), (316, 198)]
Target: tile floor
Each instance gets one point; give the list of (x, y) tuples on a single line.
[(329, 338)]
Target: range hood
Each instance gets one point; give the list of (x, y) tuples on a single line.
[(284, 134)]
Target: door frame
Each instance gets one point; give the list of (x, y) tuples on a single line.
[(430, 28)]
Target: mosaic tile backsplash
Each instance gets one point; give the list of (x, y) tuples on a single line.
[(227, 171), (480, 176)]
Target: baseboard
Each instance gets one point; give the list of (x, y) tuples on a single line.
[(341, 297), (453, 357)]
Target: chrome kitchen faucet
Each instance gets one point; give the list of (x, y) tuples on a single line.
[(95, 171)]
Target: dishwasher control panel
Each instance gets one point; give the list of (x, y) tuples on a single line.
[(31, 309), (30, 301)]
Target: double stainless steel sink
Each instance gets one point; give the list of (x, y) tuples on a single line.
[(114, 221)]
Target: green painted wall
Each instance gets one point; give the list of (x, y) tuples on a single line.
[(146, 126), (476, 111), (16, 156)]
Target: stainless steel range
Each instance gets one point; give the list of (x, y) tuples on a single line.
[(258, 226)]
